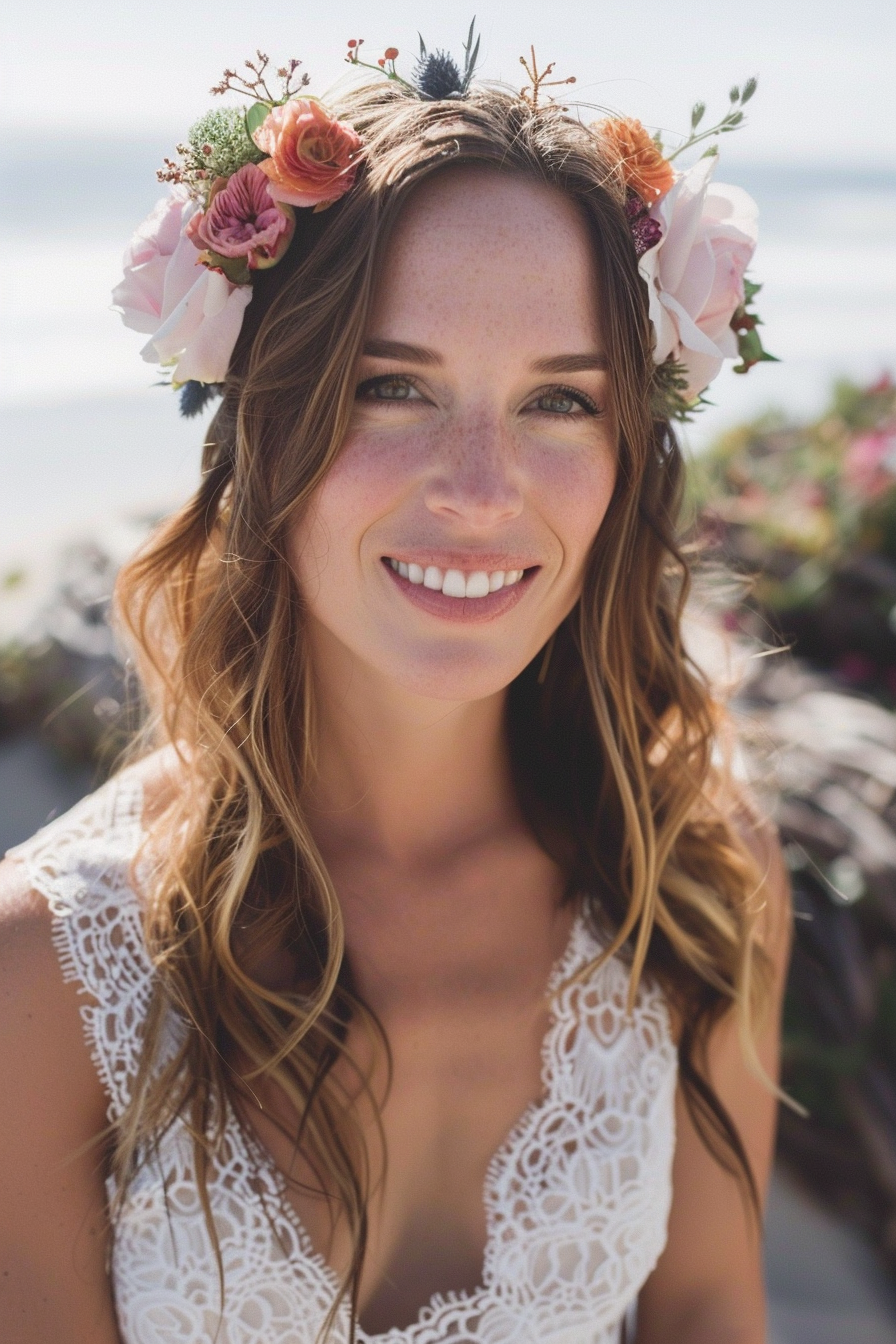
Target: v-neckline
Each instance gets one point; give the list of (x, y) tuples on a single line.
[(579, 942)]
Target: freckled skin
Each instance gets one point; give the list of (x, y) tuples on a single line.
[(492, 274)]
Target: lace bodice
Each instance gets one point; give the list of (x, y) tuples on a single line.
[(577, 1197)]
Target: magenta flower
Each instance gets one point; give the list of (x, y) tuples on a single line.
[(243, 220)]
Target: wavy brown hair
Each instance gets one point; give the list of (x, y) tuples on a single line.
[(612, 730)]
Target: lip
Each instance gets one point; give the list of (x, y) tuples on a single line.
[(463, 610)]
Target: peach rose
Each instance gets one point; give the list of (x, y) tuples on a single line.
[(313, 157), (624, 140)]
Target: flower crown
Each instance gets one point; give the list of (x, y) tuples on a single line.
[(244, 171)]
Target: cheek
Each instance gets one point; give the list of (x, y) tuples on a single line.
[(365, 482), (577, 488)]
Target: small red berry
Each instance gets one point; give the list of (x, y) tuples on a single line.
[(382, 62), (391, 53)]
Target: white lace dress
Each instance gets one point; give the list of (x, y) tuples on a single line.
[(577, 1197)]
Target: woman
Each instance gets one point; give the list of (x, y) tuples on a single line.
[(429, 958)]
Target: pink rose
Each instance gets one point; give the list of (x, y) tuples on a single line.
[(192, 315), (313, 157), (151, 284), (243, 220), (695, 273)]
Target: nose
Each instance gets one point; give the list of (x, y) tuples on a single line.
[(476, 478)]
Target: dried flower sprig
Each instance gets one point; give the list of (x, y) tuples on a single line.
[(538, 80), (737, 100), (257, 86)]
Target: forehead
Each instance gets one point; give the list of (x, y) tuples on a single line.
[(492, 251)]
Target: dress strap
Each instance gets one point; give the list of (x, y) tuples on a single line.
[(82, 863)]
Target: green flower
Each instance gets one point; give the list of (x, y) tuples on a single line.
[(220, 142)]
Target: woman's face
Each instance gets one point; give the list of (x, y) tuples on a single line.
[(448, 540)]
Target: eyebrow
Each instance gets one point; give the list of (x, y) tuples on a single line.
[(593, 359), (404, 353), (401, 351)]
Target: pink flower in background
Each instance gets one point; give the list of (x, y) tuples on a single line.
[(313, 157), (869, 467), (243, 220), (192, 315), (695, 273)]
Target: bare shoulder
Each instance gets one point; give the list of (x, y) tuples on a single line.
[(40, 1020), (53, 1223)]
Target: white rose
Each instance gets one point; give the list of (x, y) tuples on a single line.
[(695, 273)]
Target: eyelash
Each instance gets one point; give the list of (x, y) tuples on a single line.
[(588, 407)]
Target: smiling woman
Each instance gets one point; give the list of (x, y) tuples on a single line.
[(429, 956)]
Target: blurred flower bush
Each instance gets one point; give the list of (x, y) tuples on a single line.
[(808, 512)]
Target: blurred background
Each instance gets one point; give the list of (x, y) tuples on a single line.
[(793, 477)]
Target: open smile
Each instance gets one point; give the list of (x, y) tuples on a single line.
[(458, 594)]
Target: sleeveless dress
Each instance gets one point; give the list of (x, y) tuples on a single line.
[(577, 1197)]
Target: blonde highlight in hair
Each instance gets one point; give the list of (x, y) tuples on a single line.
[(611, 729)]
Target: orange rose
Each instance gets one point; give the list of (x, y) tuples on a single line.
[(625, 141), (313, 156)]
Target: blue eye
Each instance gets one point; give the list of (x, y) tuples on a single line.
[(388, 387), (564, 401)]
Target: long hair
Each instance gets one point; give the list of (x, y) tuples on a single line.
[(613, 735)]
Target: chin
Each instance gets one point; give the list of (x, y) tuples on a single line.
[(458, 675)]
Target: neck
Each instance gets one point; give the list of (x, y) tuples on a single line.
[(409, 777)]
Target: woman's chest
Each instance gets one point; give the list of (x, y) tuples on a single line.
[(456, 1083), (574, 1206)]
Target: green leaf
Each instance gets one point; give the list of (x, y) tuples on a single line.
[(710, 153), (751, 289), (697, 115), (734, 95), (749, 90), (256, 116)]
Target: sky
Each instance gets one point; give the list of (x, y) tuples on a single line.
[(826, 69)]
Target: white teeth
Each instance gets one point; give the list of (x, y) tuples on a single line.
[(453, 582), (477, 584)]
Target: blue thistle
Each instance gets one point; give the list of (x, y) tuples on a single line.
[(437, 75), (195, 396)]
